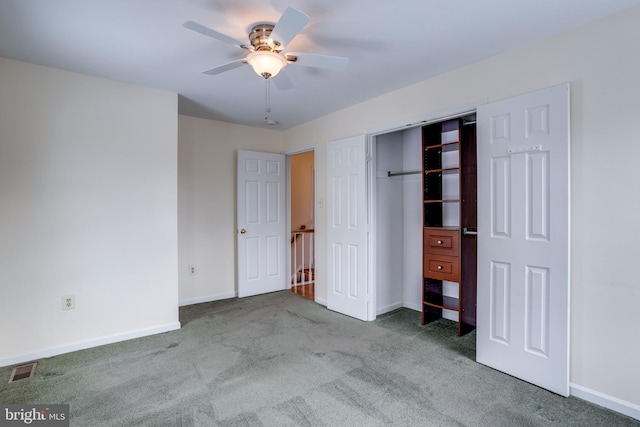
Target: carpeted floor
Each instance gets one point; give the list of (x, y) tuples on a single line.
[(281, 360)]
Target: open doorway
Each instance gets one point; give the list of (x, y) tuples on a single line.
[(302, 222)]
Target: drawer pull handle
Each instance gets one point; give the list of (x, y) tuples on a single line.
[(439, 242), (439, 267)]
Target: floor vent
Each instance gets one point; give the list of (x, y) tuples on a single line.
[(23, 372)]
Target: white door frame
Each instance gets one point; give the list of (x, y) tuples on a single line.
[(288, 155)]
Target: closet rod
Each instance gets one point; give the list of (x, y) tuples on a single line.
[(403, 173)]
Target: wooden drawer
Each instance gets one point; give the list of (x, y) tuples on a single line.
[(442, 267), (441, 241)]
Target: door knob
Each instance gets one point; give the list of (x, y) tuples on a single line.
[(243, 231)]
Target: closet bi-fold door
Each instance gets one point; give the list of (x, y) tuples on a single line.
[(523, 237), (348, 285)]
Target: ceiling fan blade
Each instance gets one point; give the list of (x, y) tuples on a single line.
[(282, 81), (199, 28), (225, 67), (290, 24), (318, 61)]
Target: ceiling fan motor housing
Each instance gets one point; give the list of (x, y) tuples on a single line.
[(260, 38)]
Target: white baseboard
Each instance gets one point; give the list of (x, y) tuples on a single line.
[(207, 299), (626, 408), (449, 314), (321, 301), (388, 308), (391, 307), (81, 345), (411, 306)]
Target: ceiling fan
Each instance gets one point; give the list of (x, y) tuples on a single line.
[(266, 42)]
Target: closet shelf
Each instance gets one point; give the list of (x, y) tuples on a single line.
[(443, 201), (439, 301), (449, 146), (443, 227), (443, 171)]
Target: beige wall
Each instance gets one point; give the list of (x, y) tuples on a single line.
[(601, 63), (207, 153), (302, 201), (88, 207)]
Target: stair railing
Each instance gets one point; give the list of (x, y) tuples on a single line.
[(302, 256)]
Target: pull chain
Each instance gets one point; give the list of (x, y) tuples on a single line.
[(267, 99)]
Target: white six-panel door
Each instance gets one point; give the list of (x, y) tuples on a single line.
[(347, 229), (261, 223), (523, 237)]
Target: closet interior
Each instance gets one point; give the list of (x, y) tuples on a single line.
[(425, 216)]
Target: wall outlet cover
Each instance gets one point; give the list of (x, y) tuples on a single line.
[(68, 302)]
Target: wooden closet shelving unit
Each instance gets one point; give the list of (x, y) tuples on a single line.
[(449, 220)]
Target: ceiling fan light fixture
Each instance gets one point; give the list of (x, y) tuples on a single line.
[(266, 64)]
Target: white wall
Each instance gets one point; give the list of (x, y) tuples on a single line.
[(389, 223), (88, 207), (207, 203), (600, 62), (398, 216), (412, 205)]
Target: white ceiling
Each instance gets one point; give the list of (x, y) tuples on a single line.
[(391, 44)]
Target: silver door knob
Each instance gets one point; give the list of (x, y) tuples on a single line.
[(243, 231)]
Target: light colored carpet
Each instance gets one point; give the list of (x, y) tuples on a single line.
[(281, 360)]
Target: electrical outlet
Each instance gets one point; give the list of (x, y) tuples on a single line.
[(192, 270), (68, 302)]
